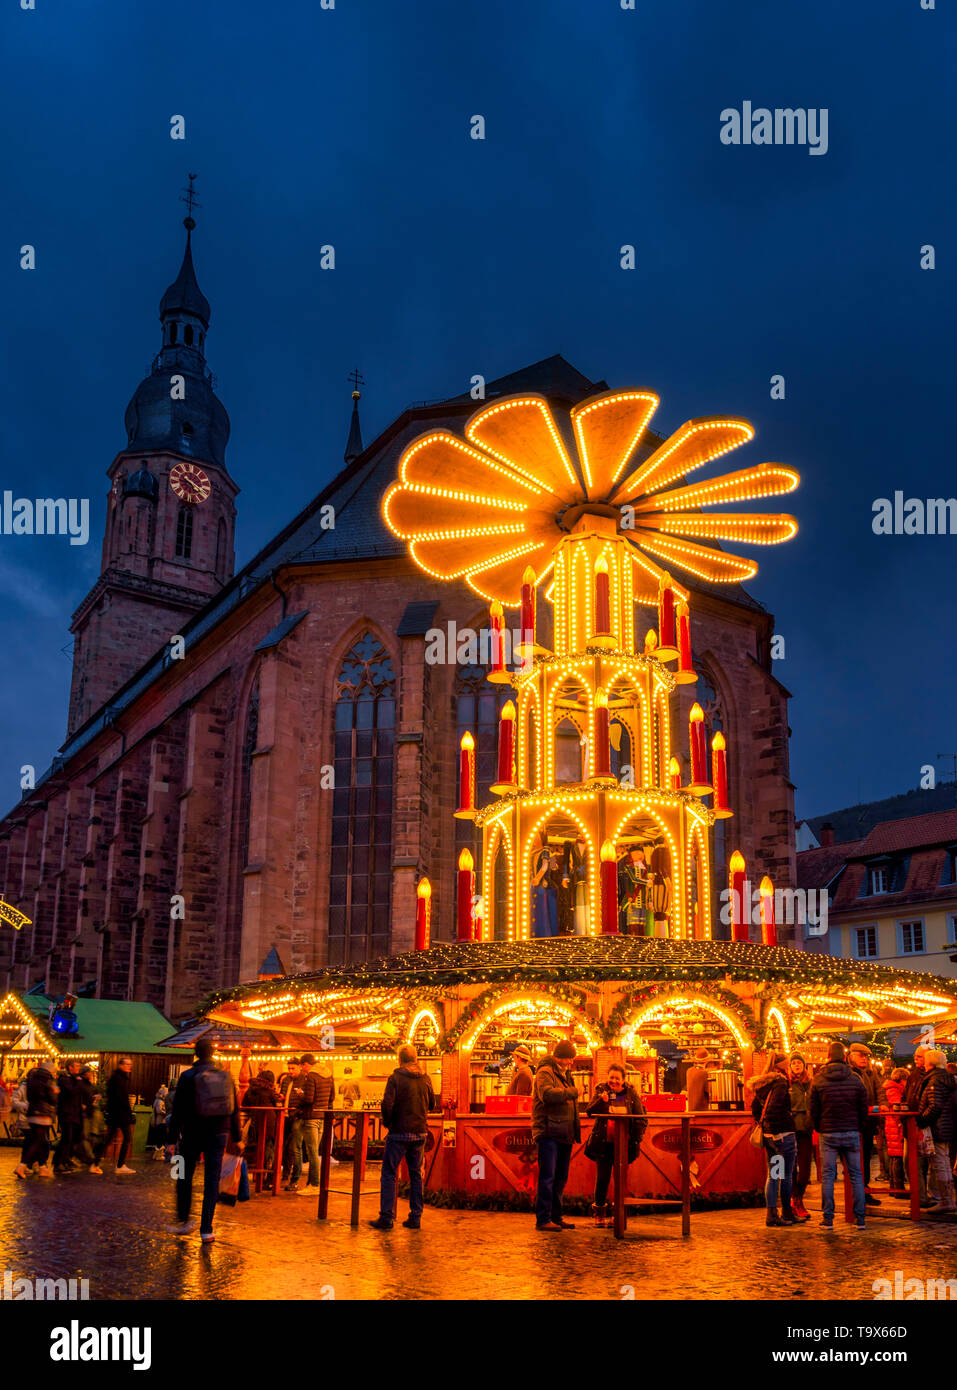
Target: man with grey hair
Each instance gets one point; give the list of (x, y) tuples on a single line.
[(938, 1113), (405, 1111)]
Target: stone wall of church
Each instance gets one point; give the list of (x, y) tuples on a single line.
[(128, 859)]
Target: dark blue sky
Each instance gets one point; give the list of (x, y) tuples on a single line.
[(456, 256)]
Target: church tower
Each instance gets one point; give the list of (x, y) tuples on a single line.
[(170, 519)]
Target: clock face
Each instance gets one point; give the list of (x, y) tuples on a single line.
[(190, 483)]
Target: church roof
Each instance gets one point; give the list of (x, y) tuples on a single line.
[(359, 532)]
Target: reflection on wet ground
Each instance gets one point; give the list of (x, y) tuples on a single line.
[(110, 1231)]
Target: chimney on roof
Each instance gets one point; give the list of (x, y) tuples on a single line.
[(827, 834)]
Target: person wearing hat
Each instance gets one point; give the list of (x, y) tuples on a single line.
[(556, 1128), (696, 1081), (523, 1081)]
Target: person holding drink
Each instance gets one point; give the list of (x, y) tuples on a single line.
[(613, 1096)]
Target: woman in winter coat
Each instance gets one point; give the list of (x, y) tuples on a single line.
[(771, 1107), (42, 1092), (614, 1091), (801, 1110), (894, 1086)]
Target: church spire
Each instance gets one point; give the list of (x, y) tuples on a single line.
[(354, 443)]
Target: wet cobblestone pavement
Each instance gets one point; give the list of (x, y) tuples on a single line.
[(110, 1231)]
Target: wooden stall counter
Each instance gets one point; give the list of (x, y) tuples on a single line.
[(494, 1153)]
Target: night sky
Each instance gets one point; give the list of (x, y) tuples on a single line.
[(457, 257)]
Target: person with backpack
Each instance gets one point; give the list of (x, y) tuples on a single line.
[(204, 1116), (119, 1118), (41, 1097)]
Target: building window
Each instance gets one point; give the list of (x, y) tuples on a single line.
[(877, 881), (865, 942), (360, 889), (949, 874), (250, 737), (952, 930), (184, 533), (910, 938), (188, 335)]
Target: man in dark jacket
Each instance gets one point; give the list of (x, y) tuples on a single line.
[(859, 1061), (938, 1113), (204, 1116), (915, 1083), (405, 1112), (312, 1093), (119, 1117), (555, 1129), (70, 1116), (88, 1097), (839, 1114)]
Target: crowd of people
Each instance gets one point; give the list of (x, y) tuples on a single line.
[(854, 1105)]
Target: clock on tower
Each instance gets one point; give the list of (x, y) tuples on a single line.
[(190, 483)]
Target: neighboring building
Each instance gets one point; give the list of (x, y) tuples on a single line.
[(188, 826), (893, 894), (804, 837)]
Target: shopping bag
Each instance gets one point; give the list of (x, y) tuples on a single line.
[(229, 1179)]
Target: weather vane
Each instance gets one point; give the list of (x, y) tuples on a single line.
[(191, 201)]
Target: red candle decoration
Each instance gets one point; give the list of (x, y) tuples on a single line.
[(478, 914), (602, 598), (466, 809), (769, 931), (667, 651), (423, 914), (609, 889), (463, 897), (528, 612), (737, 883), (685, 674), (602, 744), (719, 774), (674, 775), (699, 763), (506, 750), (496, 622)]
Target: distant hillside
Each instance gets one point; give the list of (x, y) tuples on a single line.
[(854, 822)]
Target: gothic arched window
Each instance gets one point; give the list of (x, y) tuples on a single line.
[(184, 533), (250, 737), (360, 890)]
